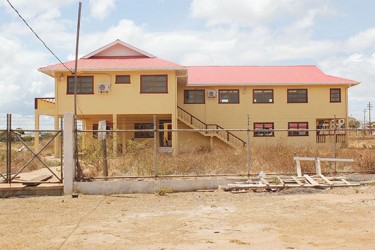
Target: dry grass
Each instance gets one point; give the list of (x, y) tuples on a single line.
[(139, 160)]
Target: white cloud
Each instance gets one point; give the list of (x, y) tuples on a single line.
[(100, 9), (362, 40)]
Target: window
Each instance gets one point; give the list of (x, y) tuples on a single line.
[(144, 134), (298, 125), (335, 95), (122, 79), (194, 96), (229, 96), (84, 85), (154, 84), (297, 95), (263, 96), (260, 129)]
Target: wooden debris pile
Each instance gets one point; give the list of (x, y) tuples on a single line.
[(276, 183)]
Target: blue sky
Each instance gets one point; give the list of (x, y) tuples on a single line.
[(336, 35)]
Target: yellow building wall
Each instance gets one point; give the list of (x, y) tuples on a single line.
[(234, 116), (121, 99)]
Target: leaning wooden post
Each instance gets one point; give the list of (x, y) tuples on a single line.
[(248, 146), (155, 148), (68, 153)]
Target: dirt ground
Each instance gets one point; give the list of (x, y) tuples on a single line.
[(341, 218)]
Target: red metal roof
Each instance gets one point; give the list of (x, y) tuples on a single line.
[(115, 64), (262, 75)]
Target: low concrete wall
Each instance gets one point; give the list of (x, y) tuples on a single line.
[(149, 186)]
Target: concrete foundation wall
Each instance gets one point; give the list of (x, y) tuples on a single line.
[(149, 186)]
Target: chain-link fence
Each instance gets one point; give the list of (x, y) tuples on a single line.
[(201, 153)]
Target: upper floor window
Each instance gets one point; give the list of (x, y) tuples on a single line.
[(122, 79), (194, 96), (294, 126), (335, 95), (297, 95), (85, 85), (261, 129), (263, 96), (229, 96), (154, 84)]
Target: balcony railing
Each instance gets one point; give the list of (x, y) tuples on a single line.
[(46, 103)]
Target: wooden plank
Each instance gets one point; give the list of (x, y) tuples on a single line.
[(265, 181), (326, 180), (36, 181), (345, 181), (298, 181), (311, 180), (281, 181)]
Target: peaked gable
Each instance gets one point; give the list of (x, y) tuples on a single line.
[(118, 48)]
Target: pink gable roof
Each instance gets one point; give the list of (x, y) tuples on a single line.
[(116, 56), (260, 75), (115, 64)]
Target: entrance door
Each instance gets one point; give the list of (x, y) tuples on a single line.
[(166, 136)]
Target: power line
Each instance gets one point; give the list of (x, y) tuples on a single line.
[(45, 45)]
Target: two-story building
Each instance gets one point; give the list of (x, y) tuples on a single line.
[(127, 87)]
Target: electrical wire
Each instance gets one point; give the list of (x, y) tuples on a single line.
[(45, 45)]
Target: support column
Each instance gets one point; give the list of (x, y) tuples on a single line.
[(123, 137), (174, 134), (68, 153), (56, 142), (36, 136), (115, 135), (211, 143)]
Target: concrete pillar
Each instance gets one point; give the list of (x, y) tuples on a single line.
[(36, 136), (56, 142), (68, 153), (115, 135)]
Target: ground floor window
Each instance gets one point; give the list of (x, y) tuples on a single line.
[(143, 134), (261, 129), (303, 126)]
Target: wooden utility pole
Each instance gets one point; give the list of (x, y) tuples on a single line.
[(369, 106)]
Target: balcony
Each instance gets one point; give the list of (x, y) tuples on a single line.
[(45, 106)]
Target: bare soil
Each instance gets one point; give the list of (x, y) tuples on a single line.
[(341, 218)]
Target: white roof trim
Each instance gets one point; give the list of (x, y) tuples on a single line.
[(120, 43)]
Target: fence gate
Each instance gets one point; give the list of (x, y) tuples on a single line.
[(21, 163)]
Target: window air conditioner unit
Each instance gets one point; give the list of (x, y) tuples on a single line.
[(211, 93), (104, 87)]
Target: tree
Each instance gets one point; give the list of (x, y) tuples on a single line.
[(353, 123)]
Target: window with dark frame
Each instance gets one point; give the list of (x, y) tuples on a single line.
[(303, 126), (122, 79), (260, 129), (154, 84), (194, 96), (85, 85), (143, 134), (297, 96), (335, 95), (263, 96), (229, 96)]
